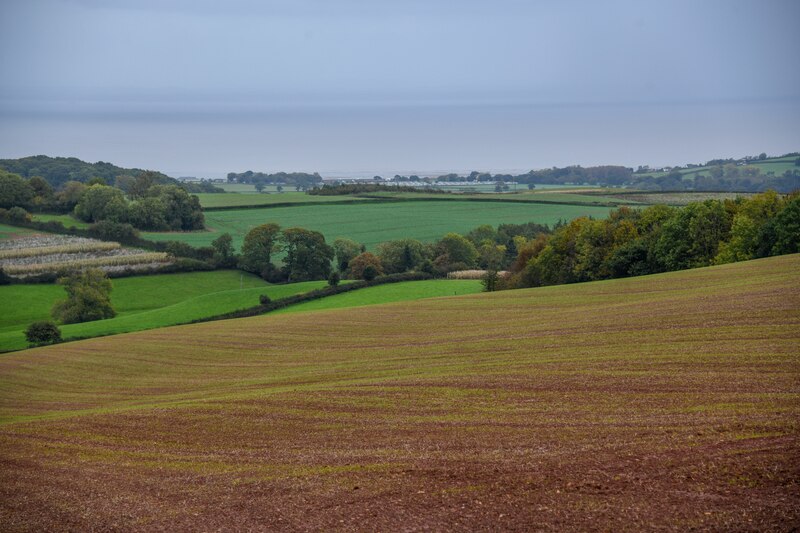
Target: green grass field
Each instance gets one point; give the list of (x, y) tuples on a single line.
[(8, 232), (394, 292), (147, 302), (142, 302), (66, 220), (617, 405), (373, 224)]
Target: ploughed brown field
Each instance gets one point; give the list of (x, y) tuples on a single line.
[(667, 402)]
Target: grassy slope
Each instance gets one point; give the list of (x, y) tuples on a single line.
[(142, 302), (667, 401), (395, 292), (373, 224), (66, 220), (7, 232)]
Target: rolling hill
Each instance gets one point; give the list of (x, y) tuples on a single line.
[(663, 402)]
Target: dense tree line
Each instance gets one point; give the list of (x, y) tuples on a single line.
[(202, 186), (629, 242), (307, 255), (633, 242), (728, 177), (742, 175), (58, 170), (145, 203), (300, 180), (484, 247), (156, 207)]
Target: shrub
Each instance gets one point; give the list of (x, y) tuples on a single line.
[(88, 297), (114, 231), (359, 264), (489, 281), (17, 214), (5, 279), (369, 273), (334, 279), (43, 332), (264, 299)]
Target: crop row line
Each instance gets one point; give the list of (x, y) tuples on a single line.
[(119, 260), (81, 247)]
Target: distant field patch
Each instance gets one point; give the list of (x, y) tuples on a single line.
[(237, 200), (66, 220), (680, 198)]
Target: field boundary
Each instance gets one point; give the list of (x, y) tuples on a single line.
[(316, 294), (368, 199)]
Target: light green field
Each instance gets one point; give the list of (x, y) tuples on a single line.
[(142, 302), (241, 187), (373, 224), (148, 302), (394, 292), (66, 220), (9, 232)]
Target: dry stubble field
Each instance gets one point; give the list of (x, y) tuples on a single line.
[(668, 402)]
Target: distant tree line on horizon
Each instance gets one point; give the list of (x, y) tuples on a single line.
[(57, 171), (342, 189), (300, 180), (728, 176)]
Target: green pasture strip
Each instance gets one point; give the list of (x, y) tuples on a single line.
[(66, 220), (142, 302), (372, 224), (225, 200), (10, 232), (395, 292)]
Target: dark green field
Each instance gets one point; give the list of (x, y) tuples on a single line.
[(666, 402), (373, 224)]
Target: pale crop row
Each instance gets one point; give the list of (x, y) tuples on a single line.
[(471, 274), (71, 248), (116, 260)]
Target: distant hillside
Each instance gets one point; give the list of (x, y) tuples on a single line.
[(59, 170), (746, 174)]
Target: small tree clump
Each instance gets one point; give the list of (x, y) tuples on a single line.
[(369, 273), (264, 299), (334, 279), (88, 297), (43, 332), (361, 263), (489, 281)]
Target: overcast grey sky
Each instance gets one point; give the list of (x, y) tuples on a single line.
[(207, 87)]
